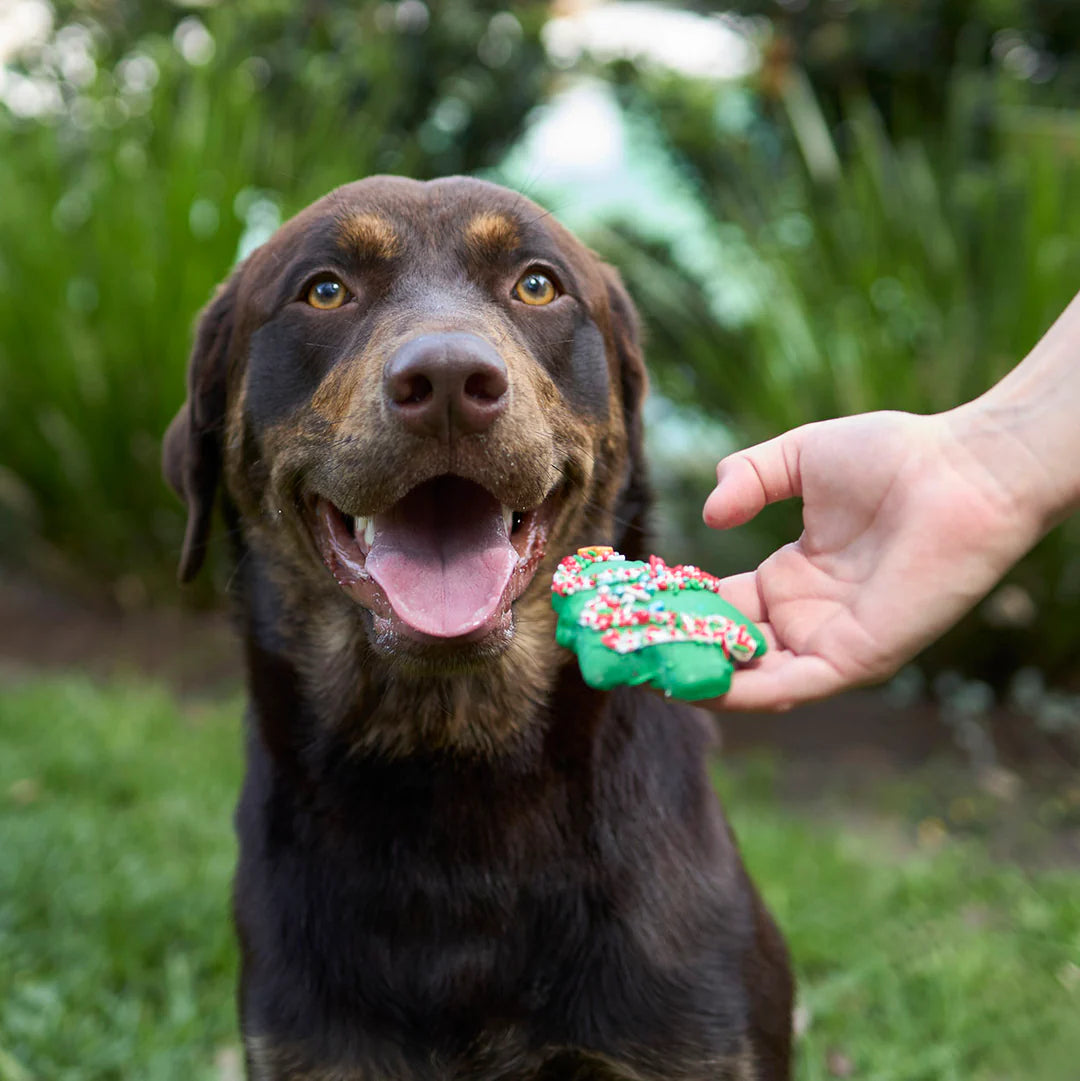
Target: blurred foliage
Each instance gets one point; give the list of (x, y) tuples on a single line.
[(901, 54), (152, 145), (882, 273)]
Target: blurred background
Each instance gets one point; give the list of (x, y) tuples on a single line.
[(820, 207)]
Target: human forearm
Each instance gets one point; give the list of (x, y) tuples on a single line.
[(1027, 426)]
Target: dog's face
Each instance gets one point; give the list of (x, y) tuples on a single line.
[(419, 396)]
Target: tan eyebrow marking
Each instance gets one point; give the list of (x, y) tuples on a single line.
[(490, 232), (371, 234)]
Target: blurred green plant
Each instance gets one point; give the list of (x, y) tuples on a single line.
[(902, 54), (148, 154), (877, 273)]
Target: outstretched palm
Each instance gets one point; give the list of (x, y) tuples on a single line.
[(905, 529)]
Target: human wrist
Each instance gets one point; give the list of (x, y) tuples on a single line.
[(1039, 401), (1025, 433)]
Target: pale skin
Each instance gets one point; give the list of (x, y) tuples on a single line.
[(908, 521)]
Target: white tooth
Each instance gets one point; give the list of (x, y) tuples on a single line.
[(508, 519), (364, 528)]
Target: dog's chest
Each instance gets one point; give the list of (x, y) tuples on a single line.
[(488, 940), (502, 1054)]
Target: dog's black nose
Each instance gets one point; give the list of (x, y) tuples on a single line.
[(446, 384)]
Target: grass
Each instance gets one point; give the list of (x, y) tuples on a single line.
[(117, 959), (916, 963), (115, 947)]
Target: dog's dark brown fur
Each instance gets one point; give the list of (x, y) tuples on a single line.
[(456, 860)]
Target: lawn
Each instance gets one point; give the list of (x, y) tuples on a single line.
[(915, 963)]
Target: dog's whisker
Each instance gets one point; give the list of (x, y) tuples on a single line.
[(238, 566), (592, 504)]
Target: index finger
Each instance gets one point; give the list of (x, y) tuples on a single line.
[(750, 479)]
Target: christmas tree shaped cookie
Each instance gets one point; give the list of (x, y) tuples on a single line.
[(633, 622)]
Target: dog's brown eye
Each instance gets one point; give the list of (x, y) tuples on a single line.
[(535, 288), (327, 293)]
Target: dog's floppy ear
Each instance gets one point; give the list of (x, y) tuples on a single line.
[(192, 448), (635, 496)]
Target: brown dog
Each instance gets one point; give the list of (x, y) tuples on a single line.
[(456, 860)]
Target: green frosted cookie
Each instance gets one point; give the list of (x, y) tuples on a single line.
[(632, 622)]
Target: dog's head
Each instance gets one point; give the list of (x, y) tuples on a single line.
[(418, 397)]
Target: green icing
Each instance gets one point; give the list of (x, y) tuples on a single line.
[(685, 669)]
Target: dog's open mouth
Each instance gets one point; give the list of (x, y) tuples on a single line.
[(445, 562)]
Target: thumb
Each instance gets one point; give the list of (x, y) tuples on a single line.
[(750, 479)]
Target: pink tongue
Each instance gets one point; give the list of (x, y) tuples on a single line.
[(442, 556)]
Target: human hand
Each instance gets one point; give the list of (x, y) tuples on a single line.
[(908, 521)]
